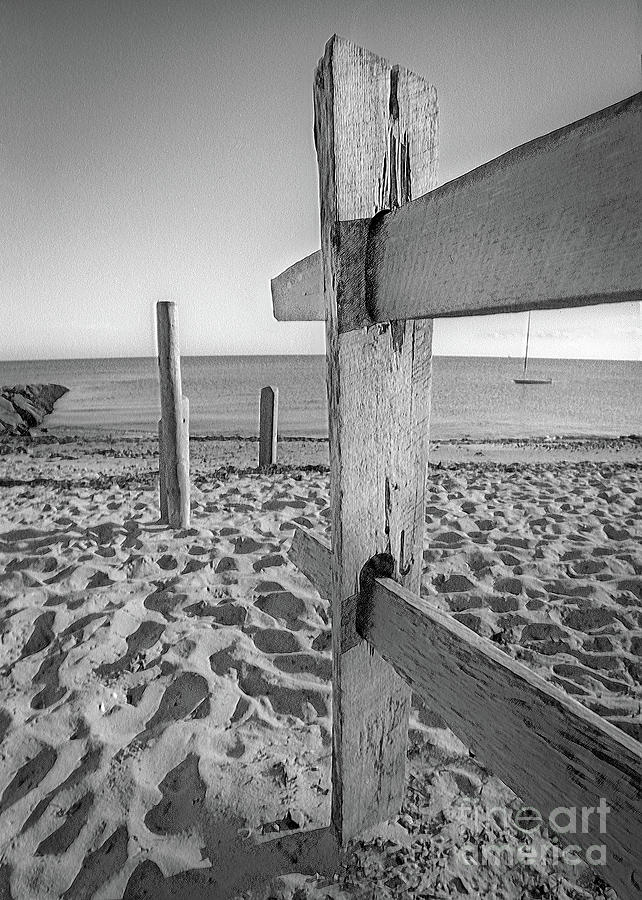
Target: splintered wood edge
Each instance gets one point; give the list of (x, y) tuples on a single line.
[(455, 251)]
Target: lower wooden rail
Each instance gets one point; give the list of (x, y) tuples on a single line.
[(575, 768)]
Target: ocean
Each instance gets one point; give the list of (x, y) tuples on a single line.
[(471, 396)]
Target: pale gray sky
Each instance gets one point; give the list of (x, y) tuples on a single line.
[(163, 150)]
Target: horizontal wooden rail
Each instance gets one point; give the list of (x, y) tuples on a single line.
[(297, 293), (552, 751), (312, 555), (556, 222)]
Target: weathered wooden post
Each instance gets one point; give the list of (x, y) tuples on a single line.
[(174, 443), (376, 140), (162, 485), (479, 244), (268, 425)]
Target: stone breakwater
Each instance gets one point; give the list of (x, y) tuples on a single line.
[(24, 406)]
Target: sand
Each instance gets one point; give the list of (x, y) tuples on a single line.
[(165, 699)]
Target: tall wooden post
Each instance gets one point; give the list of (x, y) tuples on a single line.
[(174, 445), (375, 133), (268, 425)]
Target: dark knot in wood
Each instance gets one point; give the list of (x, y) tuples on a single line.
[(381, 565)]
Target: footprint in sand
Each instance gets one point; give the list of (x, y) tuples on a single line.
[(87, 765), (229, 614), (98, 580), (501, 604), (61, 840), (451, 539), (276, 640), (453, 584), (284, 607), (186, 697), (463, 602), (616, 534), (255, 682), (98, 867), (589, 620), (508, 585), (197, 550), (584, 677), (145, 636), (106, 552), (226, 564), (60, 576), (544, 631), (5, 722), (167, 562), (104, 533), (145, 882), (509, 560), (322, 641), (183, 793), (193, 565), (41, 636), (268, 587), (164, 600), (28, 777), (48, 674), (43, 564), (633, 586), (246, 545), (268, 561), (309, 663), (76, 626)]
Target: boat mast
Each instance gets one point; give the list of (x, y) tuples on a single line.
[(528, 331)]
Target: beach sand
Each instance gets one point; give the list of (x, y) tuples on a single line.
[(165, 700)]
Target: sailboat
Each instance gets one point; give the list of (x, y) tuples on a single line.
[(525, 379)]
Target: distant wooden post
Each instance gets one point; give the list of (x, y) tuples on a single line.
[(174, 442), (268, 425), (162, 486), (375, 133)]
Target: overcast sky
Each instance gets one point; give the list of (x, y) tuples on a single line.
[(163, 150)]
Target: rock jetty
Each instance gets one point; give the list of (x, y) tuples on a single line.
[(24, 406)]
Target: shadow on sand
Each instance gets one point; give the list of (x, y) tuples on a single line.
[(238, 866)]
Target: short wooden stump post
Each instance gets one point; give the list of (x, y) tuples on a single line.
[(268, 426), (173, 427)]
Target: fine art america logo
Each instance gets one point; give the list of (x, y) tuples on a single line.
[(563, 820)]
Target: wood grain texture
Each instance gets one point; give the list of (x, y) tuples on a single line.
[(175, 441), (268, 425), (162, 482), (547, 747), (556, 222), (312, 555), (297, 293), (375, 133)]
